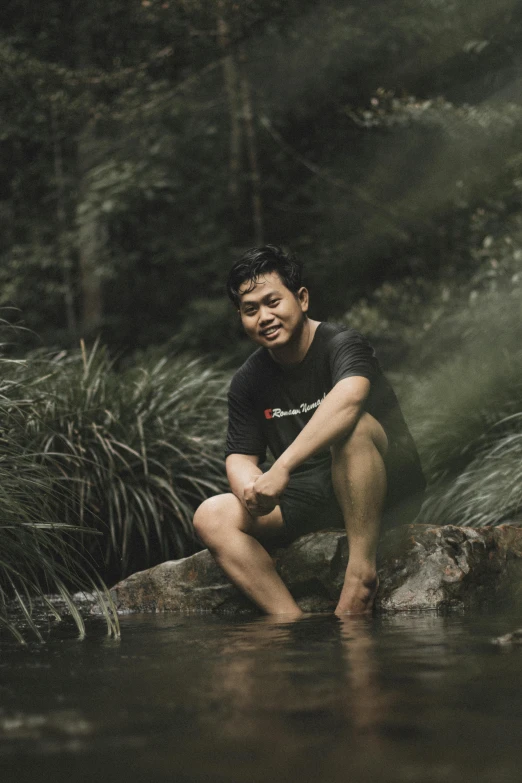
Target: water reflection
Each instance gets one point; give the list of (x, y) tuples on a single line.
[(268, 670), (415, 697), (367, 701), (329, 695)]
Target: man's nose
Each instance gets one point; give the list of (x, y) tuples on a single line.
[(265, 315)]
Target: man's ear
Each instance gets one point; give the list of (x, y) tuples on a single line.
[(304, 298)]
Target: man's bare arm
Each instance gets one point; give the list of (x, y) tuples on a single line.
[(242, 469), (335, 418)]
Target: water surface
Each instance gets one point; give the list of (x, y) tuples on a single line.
[(411, 697)]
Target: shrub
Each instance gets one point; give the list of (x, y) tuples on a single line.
[(489, 490), (38, 553), (465, 416), (457, 362), (137, 450)]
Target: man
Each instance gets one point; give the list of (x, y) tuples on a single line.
[(314, 394)]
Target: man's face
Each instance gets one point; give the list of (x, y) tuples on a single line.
[(271, 314)]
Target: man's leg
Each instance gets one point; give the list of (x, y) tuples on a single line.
[(359, 480), (228, 530)]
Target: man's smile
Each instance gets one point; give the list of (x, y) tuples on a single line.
[(270, 331)]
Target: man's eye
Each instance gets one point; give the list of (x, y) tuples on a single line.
[(249, 312), (273, 302)]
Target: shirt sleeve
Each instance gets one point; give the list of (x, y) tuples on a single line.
[(351, 354), (244, 435)]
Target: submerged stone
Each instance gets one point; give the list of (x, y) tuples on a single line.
[(515, 637), (420, 567)]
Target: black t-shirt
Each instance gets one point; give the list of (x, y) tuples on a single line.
[(269, 404)]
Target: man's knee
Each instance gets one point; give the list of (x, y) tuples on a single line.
[(215, 515), (368, 432)]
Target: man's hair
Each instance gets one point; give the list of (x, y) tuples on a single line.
[(259, 261)]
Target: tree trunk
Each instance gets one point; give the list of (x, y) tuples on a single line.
[(251, 146), (92, 239), (230, 78), (92, 229), (61, 219)]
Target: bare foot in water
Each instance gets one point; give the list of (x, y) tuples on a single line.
[(358, 594)]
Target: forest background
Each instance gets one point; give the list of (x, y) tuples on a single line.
[(145, 144)]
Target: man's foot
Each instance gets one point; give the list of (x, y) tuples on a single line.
[(358, 594), (285, 617), (288, 617)]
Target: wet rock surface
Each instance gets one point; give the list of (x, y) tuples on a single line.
[(435, 567), (420, 568), (508, 639)]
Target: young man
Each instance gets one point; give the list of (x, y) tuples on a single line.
[(314, 394)]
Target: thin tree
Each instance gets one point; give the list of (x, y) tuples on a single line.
[(230, 77), (251, 149)]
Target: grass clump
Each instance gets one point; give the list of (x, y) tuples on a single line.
[(454, 346), (489, 490), (465, 413), (39, 556), (100, 472), (137, 450)]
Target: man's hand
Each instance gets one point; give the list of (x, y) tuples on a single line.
[(262, 495)]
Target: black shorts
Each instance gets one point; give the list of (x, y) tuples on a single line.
[(309, 503)]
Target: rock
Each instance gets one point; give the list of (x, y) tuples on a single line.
[(509, 638), (193, 584), (420, 567), (424, 567)]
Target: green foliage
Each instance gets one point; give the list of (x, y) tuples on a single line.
[(120, 458), (122, 115), (455, 339), (137, 450), (464, 413), (398, 179), (35, 262), (213, 326), (39, 555), (455, 406), (436, 313), (488, 491)]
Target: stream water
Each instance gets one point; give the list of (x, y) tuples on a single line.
[(410, 697)]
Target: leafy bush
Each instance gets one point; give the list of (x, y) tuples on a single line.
[(38, 553), (465, 414), (489, 490), (454, 404), (459, 372), (86, 449), (427, 315), (138, 450)]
